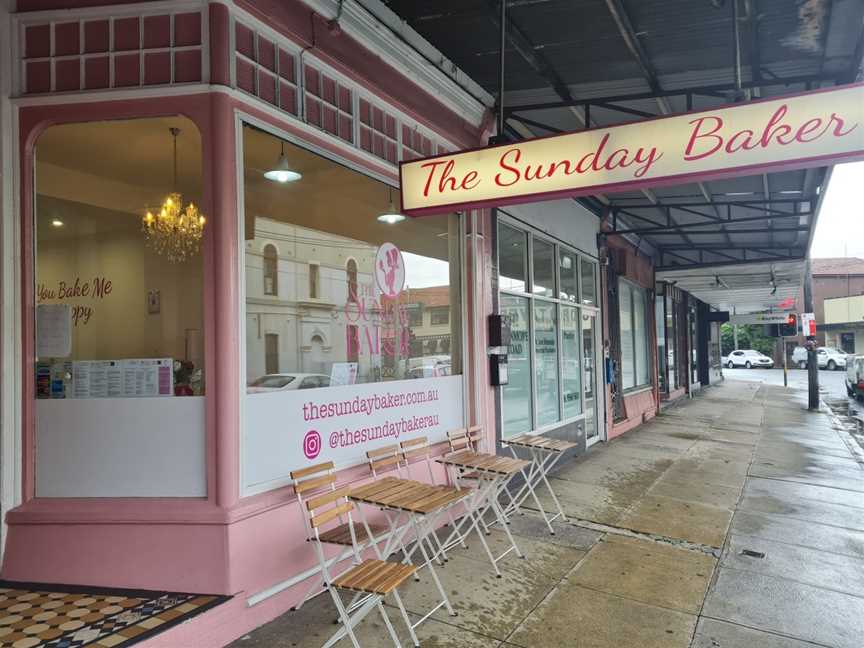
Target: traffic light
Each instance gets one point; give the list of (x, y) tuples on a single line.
[(790, 328)]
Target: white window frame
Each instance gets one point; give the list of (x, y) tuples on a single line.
[(633, 287)]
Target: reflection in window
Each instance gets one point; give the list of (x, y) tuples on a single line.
[(271, 270), (633, 311), (589, 284), (512, 259), (516, 401), (546, 363), (544, 268), (313, 281), (351, 272), (571, 339), (568, 268), (359, 300)]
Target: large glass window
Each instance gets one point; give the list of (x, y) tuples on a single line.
[(589, 283), (119, 309), (545, 359), (635, 367), (512, 259), (360, 299), (517, 403)]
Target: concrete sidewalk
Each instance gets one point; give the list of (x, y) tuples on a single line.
[(734, 520)]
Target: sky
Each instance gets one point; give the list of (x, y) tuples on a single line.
[(840, 230)]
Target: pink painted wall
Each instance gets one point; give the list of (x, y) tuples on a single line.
[(221, 543)]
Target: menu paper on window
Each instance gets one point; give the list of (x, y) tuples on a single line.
[(343, 373), (121, 378), (53, 330)]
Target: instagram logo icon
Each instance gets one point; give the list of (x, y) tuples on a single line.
[(311, 444)]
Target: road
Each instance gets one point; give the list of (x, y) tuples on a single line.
[(831, 383)]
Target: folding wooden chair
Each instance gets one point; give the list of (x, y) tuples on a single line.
[(370, 579), (470, 438), (323, 477)]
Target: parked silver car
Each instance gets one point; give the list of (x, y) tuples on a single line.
[(826, 358)]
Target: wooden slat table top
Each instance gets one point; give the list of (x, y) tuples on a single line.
[(484, 462), (540, 443), (407, 495)]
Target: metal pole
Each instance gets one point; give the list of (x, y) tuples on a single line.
[(501, 68), (735, 335), (812, 367), (785, 368)]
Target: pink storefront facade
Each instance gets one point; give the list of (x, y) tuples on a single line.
[(294, 72), (193, 494)]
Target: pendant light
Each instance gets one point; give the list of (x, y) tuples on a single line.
[(391, 216), (282, 172)]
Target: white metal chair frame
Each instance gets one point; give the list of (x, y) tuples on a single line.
[(349, 616)]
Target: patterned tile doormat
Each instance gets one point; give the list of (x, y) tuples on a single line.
[(34, 615)]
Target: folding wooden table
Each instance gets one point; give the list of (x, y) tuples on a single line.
[(422, 504), (497, 472), (545, 453)]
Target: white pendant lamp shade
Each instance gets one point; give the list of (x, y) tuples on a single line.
[(282, 172), (391, 216)]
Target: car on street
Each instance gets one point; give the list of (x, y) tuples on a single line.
[(855, 376), (287, 382), (747, 358), (826, 358)]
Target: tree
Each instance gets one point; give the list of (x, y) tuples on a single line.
[(750, 336)]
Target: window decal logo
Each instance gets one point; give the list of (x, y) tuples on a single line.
[(389, 270)]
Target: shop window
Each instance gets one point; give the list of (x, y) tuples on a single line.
[(512, 259), (568, 269), (351, 272), (120, 327), (314, 278), (439, 316), (544, 268), (371, 281), (546, 361), (271, 270), (635, 368)]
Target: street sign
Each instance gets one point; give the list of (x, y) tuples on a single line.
[(816, 128), (759, 318), (808, 324)]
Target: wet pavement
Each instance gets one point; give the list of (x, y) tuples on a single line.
[(733, 520)]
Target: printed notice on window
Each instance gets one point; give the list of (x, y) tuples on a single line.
[(53, 330)]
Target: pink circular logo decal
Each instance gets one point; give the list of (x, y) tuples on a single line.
[(389, 270), (312, 444)]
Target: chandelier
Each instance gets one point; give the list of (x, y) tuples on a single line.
[(175, 231)]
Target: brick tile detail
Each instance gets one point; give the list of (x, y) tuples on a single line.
[(366, 139), (244, 41), (365, 112), (267, 86), (288, 98), (245, 76), (157, 32), (313, 111), (67, 75), (313, 81), (96, 36), (391, 152), (328, 121), (390, 126), (126, 70), (328, 90), (127, 34), (286, 66), (96, 73), (67, 39), (187, 66), (345, 103), (346, 130), (37, 41), (267, 54), (187, 29), (38, 76), (157, 68)]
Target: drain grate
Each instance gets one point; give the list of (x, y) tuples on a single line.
[(752, 554)]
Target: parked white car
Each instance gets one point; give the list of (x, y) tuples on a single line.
[(748, 358), (855, 376), (286, 382), (826, 358)]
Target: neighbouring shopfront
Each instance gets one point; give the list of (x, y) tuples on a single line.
[(672, 353), (215, 287), (548, 291)]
